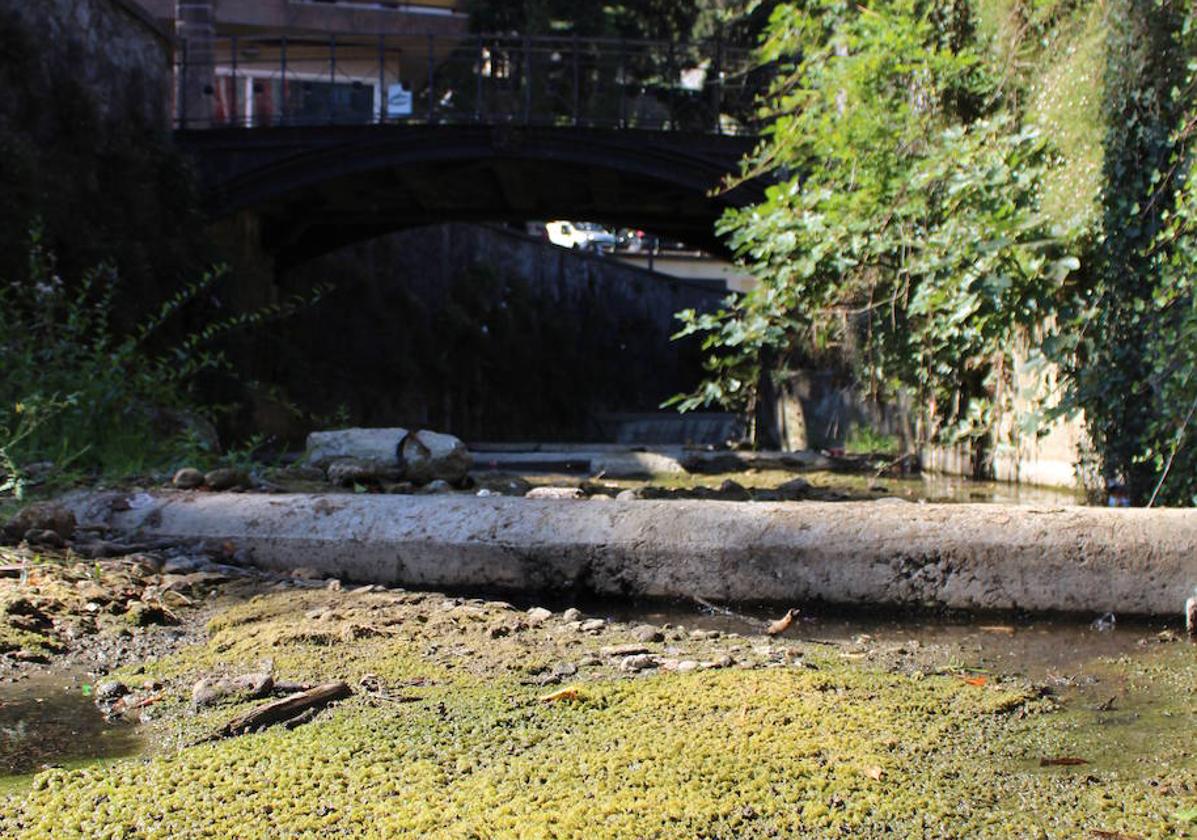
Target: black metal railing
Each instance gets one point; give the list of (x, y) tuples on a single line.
[(250, 81)]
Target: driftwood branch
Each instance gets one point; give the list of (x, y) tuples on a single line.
[(285, 709)]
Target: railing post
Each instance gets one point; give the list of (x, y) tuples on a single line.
[(332, 78), (431, 80), (478, 83), (382, 79), (718, 86), (577, 81), (527, 80), (183, 88), (234, 113), (672, 85), (284, 111), (620, 85)]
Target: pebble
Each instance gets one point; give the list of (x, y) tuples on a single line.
[(628, 496), (188, 478), (704, 635), (565, 669), (538, 615), (437, 487), (333, 585), (639, 662), (572, 614), (110, 690), (647, 633), (555, 493), (686, 666), (593, 625)]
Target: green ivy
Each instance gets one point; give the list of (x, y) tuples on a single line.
[(925, 156)]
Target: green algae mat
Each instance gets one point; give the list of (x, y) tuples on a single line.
[(472, 719)]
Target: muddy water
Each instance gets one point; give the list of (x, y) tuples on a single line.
[(1059, 649), (49, 720)]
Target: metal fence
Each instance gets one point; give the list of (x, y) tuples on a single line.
[(249, 81)]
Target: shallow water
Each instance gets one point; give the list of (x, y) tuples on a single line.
[(48, 720), (926, 487), (1062, 648)]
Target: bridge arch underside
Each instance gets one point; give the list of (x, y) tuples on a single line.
[(315, 190)]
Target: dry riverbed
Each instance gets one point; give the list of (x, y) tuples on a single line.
[(468, 717)]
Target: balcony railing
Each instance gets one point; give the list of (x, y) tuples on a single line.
[(252, 81)]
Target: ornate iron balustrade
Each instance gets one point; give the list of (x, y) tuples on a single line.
[(251, 81)]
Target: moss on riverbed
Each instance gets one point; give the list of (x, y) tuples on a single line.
[(794, 740)]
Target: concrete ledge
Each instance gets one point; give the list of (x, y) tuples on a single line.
[(982, 557)]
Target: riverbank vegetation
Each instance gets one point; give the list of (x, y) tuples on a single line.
[(988, 203)]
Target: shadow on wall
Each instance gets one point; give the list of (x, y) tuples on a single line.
[(481, 332)]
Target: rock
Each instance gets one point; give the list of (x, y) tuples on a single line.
[(305, 472), (503, 486), (366, 444), (227, 478), (91, 591), (436, 487), (346, 472), (634, 465), (555, 493), (427, 456), (733, 491), (188, 478), (1191, 616), (141, 614), (31, 657), (647, 633), (686, 666), (704, 635), (333, 585), (638, 662), (110, 690), (183, 564), (565, 669), (628, 495), (209, 690), (48, 539), (593, 625), (795, 489), (572, 614), (538, 615), (41, 516), (307, 573)]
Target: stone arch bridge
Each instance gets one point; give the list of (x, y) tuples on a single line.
[(343, 140)]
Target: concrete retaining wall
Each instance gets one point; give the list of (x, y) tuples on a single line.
[(981, 557)]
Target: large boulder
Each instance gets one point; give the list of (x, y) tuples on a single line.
[(379, 445), (431, 456)]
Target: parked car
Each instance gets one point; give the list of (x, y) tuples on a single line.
[(584, 236), (631, 240)]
